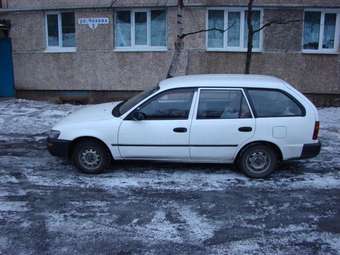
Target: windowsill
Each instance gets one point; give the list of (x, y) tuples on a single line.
[(61, 50), (238, 50), (321, 52), (141, 49)]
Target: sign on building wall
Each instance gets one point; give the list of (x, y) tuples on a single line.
[(94, 22)]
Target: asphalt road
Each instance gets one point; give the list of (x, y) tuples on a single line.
[(47, 207)]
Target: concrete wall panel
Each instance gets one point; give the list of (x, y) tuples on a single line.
[(309, 73), (92, 70)]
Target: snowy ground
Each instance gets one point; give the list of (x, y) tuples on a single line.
[(47, 207)]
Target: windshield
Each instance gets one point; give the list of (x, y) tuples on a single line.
[(128, 104)]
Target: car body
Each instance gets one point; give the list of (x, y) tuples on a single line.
[(197, 118)]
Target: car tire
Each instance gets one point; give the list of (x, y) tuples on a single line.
[(91, 157), (258, 161)]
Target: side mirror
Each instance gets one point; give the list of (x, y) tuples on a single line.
[(138, 116)]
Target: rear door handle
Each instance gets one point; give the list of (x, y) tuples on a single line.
[(180, 130), (245, 129)]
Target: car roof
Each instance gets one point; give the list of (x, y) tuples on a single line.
[(223, 80)]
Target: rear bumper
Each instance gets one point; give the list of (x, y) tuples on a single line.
[(310, 150), (59, 148)]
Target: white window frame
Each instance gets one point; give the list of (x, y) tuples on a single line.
[(321, 32), (242, 30), (133, 46), (60, 47)]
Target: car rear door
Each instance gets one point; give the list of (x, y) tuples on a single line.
[(222, 121)]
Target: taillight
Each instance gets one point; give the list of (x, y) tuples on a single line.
[(316, 130)]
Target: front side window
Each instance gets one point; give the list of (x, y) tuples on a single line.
[(222, 104), (320, 31), (234, 23), (274, 103), (141, 29), (169, 105), (125, 106), (60, 30)]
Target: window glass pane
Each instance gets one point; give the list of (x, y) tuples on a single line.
[(141, 28), (256, 25), (271, 103), (68, 29), (127, 105), (234, 29), (329, 31), (52, 30), (222, 104), (123, 29), (158, 28), (311, 30), (215, 20), (174, 104)]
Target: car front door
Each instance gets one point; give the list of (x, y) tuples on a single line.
[(159, 128), (221, 122)]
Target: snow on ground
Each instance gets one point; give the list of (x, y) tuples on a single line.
[(46, 206)]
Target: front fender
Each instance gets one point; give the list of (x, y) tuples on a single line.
[(106, 132)]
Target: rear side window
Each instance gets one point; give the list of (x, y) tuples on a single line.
[(222, 104), (274, 103)]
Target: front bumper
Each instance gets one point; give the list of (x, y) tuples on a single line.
[(59, 148), (310, 150)]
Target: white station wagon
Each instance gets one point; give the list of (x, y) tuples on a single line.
[(251, 120)]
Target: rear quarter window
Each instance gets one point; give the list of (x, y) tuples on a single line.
[(274, 103)]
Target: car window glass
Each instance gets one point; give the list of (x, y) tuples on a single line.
[(222, 104), (273, 103), (127, 105), (173, 104)]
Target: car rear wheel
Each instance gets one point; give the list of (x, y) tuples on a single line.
[(91, 157), (258, 161)]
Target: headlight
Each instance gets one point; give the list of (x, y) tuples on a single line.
[(53, 134)]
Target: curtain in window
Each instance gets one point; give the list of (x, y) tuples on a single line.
[(123, 29), (256, 25), (158, 28), (311, 30), (52, 30), (329, 31), (234, 29), (68, 29), (215, 20), (141, 28)]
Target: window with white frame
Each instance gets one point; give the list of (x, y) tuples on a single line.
[(141, 29), (60, 30), (234, 23), (321, 31)]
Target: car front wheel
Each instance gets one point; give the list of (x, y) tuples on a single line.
[(258, 161), (91, 157)]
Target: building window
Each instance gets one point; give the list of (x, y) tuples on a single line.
[(234, 22), (60, 30), (141, 30), (321, 31)]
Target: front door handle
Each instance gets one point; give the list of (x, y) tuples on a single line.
[(180, 130), (245, 129)]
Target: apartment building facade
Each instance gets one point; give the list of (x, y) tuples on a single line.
[(114, 48)]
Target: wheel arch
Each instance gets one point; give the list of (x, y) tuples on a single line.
[(274, 146), (87, 138)]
